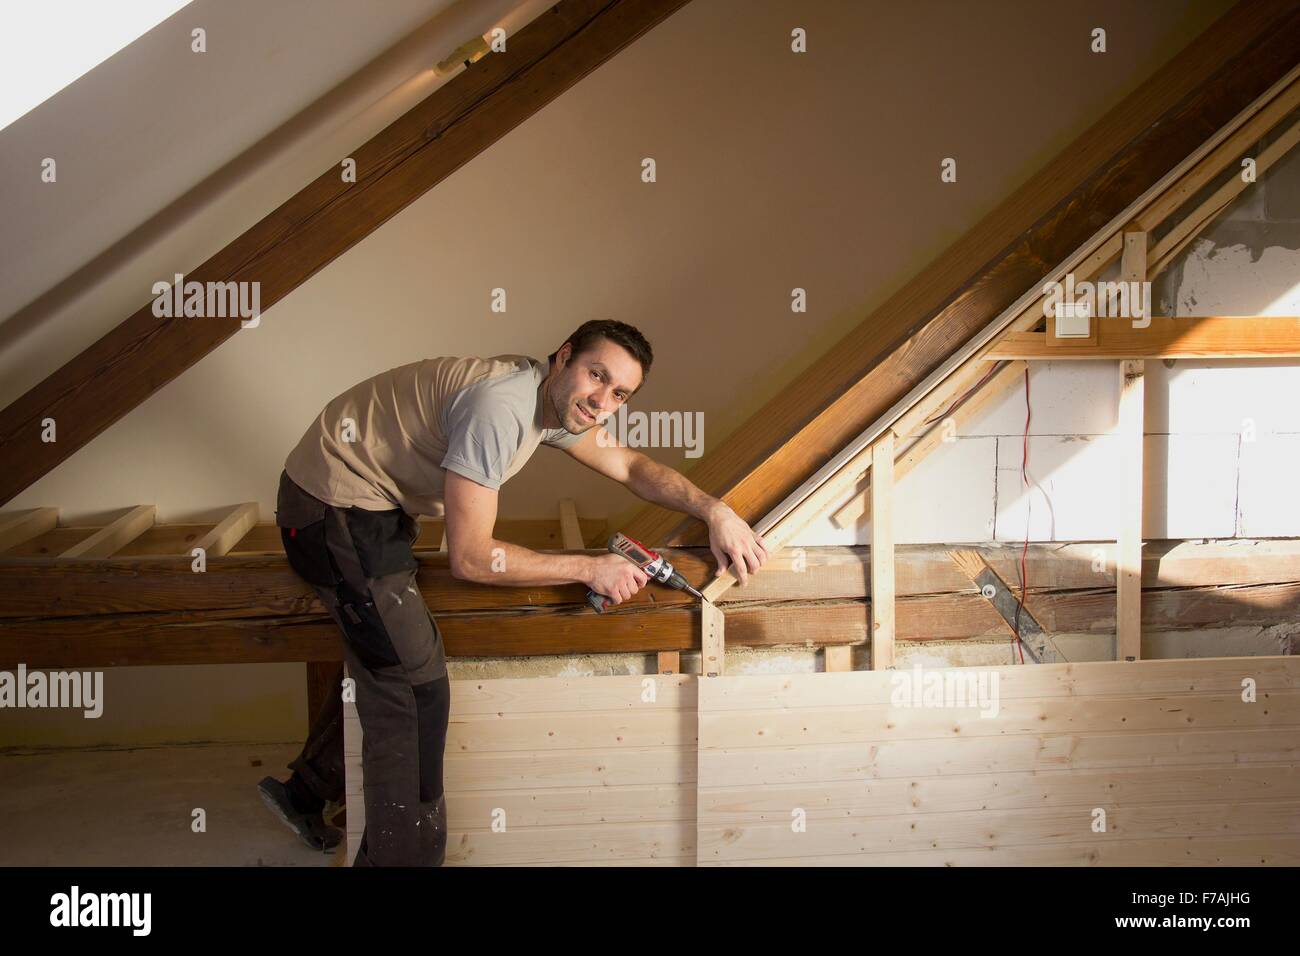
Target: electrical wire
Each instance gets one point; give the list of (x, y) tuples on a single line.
[(994, 368)]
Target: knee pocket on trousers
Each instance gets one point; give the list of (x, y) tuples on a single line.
[(367, 635)]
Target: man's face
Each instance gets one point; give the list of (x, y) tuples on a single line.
[(590, 387)]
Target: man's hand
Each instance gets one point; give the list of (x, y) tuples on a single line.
[(616, 577), (734, 543)]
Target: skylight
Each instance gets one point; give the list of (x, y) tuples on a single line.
[(46, 45)]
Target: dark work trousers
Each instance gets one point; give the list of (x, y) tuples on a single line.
[(362, 568)]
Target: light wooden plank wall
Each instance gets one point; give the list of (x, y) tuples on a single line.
[(1185, 770), (587, 770)]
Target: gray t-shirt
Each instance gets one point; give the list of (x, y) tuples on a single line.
[(384, 443)]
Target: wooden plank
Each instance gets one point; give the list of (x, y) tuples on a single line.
[(838, 657), (47, 546), (989, 715), (1039, 826), (1217, 336), (646, 726), (913, 759), (713, 642), (1111, 166), (530, 695), (669, 662), (570, 530), (229, 530), (113, 537), (1092, 679), (882, 551), (1272, 849), (681, 861), (563, 845), (1131, 429), (573, 806), (1128, 550), (1006, 791), (19, 526), (525, 769), (460, 119)]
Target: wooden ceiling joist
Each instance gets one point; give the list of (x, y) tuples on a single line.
[(230, 530), (254, 609), (453, 125), (1238, 60), (22, 526), (1214, 337), (35, 535), (113, 537)]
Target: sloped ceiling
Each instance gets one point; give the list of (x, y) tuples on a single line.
[(774, 172)]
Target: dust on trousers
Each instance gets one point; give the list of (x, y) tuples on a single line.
[(362, 568)]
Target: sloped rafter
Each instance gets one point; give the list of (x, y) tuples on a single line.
[(916, 330), (450, 127)]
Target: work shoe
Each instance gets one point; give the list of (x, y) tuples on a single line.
[(309, 827)]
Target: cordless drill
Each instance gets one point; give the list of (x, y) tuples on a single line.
[(649, 562)]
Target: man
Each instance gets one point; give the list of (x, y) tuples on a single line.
[(439, 437)]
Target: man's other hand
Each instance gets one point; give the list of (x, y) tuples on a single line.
[(735, 544)]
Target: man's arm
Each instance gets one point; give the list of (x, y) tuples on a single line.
[(471, 514), (732, 541)]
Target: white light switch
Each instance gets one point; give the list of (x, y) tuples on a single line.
[(1073, 320)]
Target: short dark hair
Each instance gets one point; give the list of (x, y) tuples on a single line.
[(585, 337)]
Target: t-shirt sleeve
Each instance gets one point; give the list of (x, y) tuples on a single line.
[(483, 437)]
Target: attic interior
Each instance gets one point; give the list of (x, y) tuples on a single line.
[(998, 364)]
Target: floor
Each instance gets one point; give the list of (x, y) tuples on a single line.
[(137, 808)]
